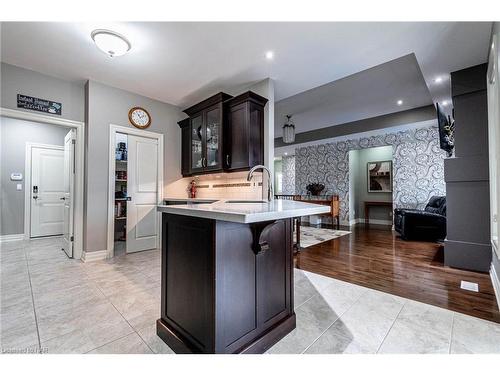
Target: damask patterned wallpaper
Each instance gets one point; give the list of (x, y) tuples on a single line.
[(418, 167), (288, 163)]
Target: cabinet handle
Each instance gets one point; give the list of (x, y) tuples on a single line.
[(227, 160), (204, 162)]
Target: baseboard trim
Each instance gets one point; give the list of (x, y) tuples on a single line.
[(12, 237), (92, 256), (360, 220), (496, 283)]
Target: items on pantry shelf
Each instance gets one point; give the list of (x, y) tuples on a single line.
[(121, 151), (120, 209), (121, 175)]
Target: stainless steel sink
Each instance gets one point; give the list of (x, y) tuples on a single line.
[(246, 201)]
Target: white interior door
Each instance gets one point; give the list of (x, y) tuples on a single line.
[(142, 186), (47, 191), (69, 177)]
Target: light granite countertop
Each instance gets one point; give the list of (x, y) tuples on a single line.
[(243, 212)]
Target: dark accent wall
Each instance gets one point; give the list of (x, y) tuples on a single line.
[(373, 123), (467, 245)]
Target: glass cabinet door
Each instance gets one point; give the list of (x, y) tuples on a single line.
[(213, 138), (197, 159)]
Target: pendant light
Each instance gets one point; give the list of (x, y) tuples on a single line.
[(289, 130)]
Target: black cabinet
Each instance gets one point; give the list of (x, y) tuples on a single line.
[(185, 147), (205, 135), (223, 133), (244, 132), (226, 287)]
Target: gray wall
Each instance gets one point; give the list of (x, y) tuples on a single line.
[(13, 137), (108, 105), (372, 123), (17, 80), (495, 256), (359, 176), (99, 106), (417, 166)]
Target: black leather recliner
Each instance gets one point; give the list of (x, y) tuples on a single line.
[(428, 224)]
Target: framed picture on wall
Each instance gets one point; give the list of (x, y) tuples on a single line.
[(380, 176)]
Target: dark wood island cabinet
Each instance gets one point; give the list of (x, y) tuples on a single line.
[(226, 287)]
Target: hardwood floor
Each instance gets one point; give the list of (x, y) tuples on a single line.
[(378, 259)]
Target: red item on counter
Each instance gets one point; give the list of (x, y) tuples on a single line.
[(192, 189)]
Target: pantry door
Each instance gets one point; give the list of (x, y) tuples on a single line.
[(142, 186)]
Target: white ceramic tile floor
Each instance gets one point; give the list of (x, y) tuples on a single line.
[(53, 304)]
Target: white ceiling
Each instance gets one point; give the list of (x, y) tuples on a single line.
[(181, 63)]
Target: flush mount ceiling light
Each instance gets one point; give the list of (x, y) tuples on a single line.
[(269, 55), (111, 43), (444, 103), (438, 79), (399, 102), (289, 130)]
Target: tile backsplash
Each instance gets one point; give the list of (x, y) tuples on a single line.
[(219, 186)]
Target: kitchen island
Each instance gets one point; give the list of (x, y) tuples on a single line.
[(227, 274)]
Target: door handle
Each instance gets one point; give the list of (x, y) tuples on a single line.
[(227, 160), (63, 199)]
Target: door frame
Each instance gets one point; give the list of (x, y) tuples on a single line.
[(113, 129), (27, 181), (79, 162)]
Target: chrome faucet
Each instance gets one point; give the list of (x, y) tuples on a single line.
[(270, 195)]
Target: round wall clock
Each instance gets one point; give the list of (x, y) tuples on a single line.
[(139, 117)]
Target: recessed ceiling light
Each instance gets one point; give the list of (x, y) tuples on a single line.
[(269, 55), (286, 153), (438, 79), (111, 43), (399, 102), (444, 103)]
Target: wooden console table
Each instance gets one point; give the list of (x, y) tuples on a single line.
[(369, 204), (326, 200)]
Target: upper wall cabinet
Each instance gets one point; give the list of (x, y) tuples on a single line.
[(244, 132), (206, 134), (223, 133)]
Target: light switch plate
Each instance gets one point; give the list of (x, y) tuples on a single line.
[(19, 187), (467, 285)]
